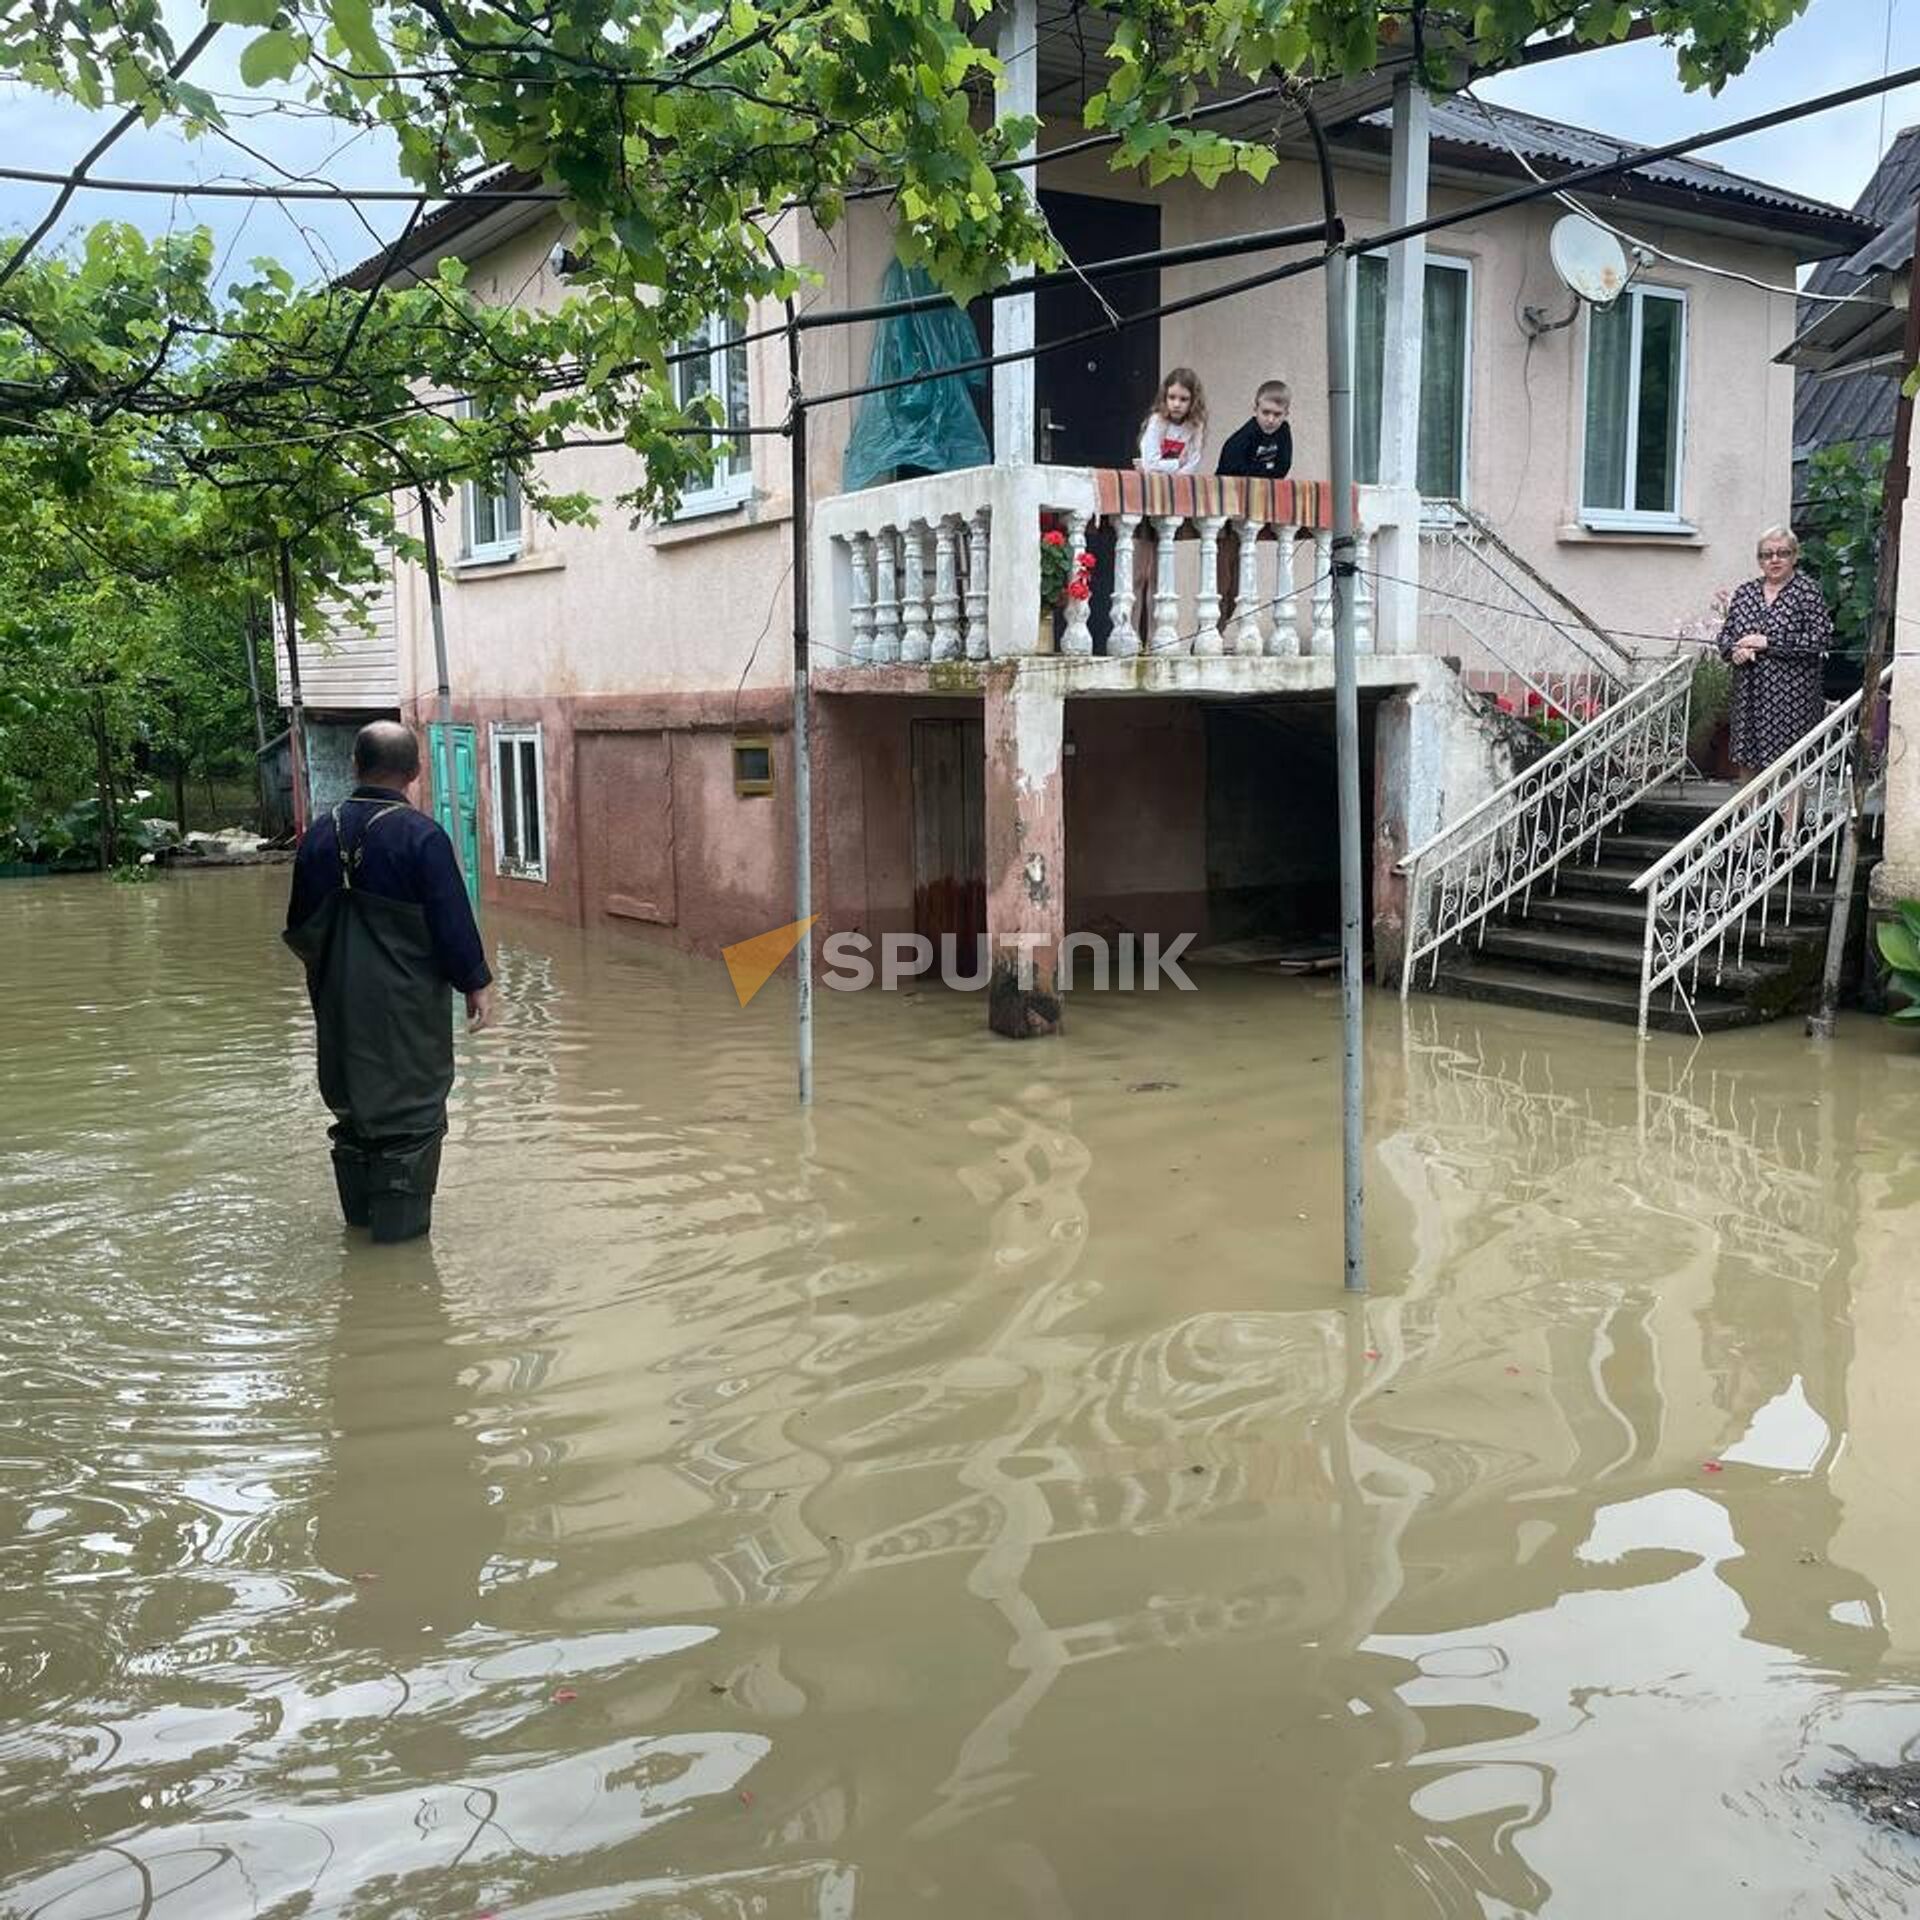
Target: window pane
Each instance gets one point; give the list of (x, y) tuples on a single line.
[(1369, 365), (506, 512), (1443, 384), (507, 799), (753, 764), (480, 521), (734, 359), (1609, 343), (530, 798), (1656, 469)]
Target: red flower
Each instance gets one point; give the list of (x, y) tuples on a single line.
[(1055, 538), (1079, 590), (1085, 563), (1504, 704), (1534, 703)]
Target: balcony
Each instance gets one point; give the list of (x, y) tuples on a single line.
[(924, 584)]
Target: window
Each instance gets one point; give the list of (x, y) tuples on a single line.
[(1441, 463), (519, 803), (1636, 402), (493, 518), (753, 764), (720, 369)]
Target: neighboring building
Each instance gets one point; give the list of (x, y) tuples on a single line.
[(622, 696), (1852, 409)]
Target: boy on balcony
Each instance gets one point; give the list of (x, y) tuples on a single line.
[(1260, 450)]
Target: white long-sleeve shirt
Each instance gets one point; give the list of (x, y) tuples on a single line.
[(1171, 446)]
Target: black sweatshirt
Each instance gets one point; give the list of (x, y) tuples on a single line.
[(1253, 455)]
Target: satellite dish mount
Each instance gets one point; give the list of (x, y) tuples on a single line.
[(1591, 264)]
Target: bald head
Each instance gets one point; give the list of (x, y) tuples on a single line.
[(386, 754)]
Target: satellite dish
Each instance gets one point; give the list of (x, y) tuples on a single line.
[(1591, 263)]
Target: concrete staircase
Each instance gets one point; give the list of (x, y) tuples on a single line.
[(1577, 948)]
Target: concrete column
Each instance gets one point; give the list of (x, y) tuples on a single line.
[(1406, 288), (1026, 851), (1897, 877), (1397, 550), (1017, 95)]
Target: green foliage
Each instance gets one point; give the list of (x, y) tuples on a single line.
[(1900, 949), (1712, 697), (1840, 531)]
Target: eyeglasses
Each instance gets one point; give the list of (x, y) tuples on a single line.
[(1776, 553)]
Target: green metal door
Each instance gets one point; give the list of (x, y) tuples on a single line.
[(461, 795)]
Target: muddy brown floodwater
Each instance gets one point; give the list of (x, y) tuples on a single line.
[(971, 1500)]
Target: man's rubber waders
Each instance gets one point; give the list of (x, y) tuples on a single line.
[(383, 1021)]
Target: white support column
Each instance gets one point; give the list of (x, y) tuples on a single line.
[(1017, 95), (1406, 288), (1397, 550)]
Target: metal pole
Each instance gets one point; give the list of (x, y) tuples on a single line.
[(443, 760), (802, 754), (1346, 707), (297, 731), (1893, 500), (251, 631)]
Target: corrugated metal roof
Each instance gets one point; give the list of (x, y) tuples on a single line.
[(1502, 131), (1858, 406)]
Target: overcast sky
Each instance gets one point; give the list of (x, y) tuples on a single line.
[(1629, 91)]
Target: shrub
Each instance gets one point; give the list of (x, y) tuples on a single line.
[(1900, 949)]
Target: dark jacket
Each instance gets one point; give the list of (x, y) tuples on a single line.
[(406, 857), (1253, 455)]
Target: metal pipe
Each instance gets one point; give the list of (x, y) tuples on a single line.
[(297, 730), (1346, 713), (250, 628), (443, 760)]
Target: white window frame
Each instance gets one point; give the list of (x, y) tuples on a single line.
[(1432, 505), (474, 491), (1640, 519), (516, 733), (733, 482)]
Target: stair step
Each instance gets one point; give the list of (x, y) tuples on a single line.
[(1677, 810), (1584, 952), (1587, 997), (1624, 917), (1641, 850), (1609, 877)]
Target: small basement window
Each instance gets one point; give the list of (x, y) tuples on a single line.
[(519, 803), (752, 764)]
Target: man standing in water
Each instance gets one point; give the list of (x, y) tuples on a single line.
[(382, 922)]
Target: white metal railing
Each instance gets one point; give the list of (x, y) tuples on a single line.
[(947, 568), (1748, 860), (1544, 815), (1513, 633)]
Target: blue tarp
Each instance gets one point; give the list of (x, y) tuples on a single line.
[(933, 425)]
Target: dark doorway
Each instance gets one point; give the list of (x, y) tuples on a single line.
[(1089, 400), (1273, 820), (950, 835)]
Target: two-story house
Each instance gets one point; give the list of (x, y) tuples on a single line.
[(622, 696)]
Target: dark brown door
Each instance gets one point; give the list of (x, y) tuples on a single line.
[(950, 835), (1089, 400), (625, 786)]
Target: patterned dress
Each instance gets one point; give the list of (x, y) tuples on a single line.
[(1777, 700)]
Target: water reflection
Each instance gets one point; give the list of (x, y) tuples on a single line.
[(972, 1498)]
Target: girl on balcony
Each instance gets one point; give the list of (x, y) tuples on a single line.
[(1173, 439)]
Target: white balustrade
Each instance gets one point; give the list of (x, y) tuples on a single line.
[(947, 569)]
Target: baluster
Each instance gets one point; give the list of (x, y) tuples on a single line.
[(1284, 636), (916, 644), (886, 598), (1166, 584), (1122, 639), (860, 551), (978, 529), (946, 589), (1361, 586), (1207, 637), (1244, 636), (1078, 637), (1322, 641)]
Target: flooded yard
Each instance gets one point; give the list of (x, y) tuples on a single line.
[(972, 1498)]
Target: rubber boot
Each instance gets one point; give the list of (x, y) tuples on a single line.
[(351, 1167), (400, 1191)]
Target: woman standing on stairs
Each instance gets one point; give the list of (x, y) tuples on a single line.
[(1777, 633)]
